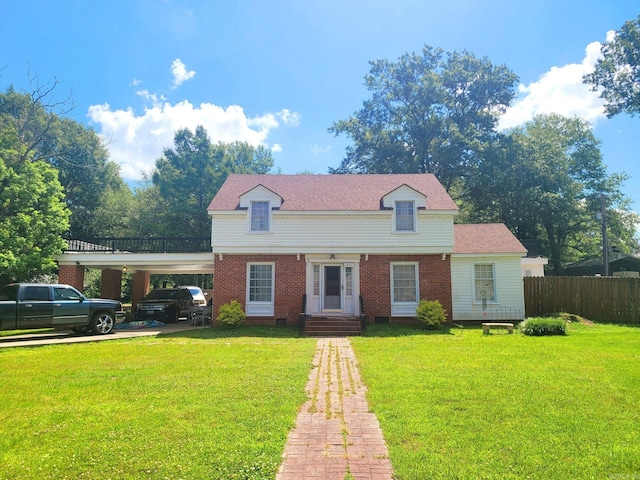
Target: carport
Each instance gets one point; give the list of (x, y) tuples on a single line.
[(141, 257)]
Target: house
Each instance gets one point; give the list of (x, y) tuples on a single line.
[(351, 244), (620, 265)]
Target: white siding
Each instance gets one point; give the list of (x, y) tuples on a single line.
[(347, 233), (404, 193), (509, 303)]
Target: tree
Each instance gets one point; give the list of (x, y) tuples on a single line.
[(433, 112), (95, 192), (187, 177), (33, 216), (618, 71), (41, 133), (544, 180)]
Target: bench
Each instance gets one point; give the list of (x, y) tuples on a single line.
[(488, 326)]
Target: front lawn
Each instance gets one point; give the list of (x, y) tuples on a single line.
[(203, 404), (459, 404), (218, 404)]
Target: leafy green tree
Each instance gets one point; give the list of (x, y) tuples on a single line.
[(33, 216), (618, 71), (433, 112), (96, 194), (188, 176), (41, 133), (544, 180)]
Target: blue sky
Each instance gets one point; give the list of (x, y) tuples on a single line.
[(280, 72)]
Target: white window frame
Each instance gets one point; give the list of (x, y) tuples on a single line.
[(261, 308), (478, 298), (251, 204), (396, 217), (405, 308)]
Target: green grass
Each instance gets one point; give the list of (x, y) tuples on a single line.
[(203, 404), (214, 403), (459, 404)]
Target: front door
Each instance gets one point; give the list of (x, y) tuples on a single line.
[(332, 287)]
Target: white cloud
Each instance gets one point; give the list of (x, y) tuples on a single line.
[(318, 150), (180, 73), (291, 119), (135, 82), (560, 90), (137, 141), (276, 147)]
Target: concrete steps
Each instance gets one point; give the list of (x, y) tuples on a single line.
[(332, 326)]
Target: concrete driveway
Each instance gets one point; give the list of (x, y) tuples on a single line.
[(50, 338)]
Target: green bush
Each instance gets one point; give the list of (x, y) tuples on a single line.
[(231, 314), (543, 326), (430, 313)]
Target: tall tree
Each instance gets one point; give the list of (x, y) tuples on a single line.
[(77, 153), (617, 73), (544, 180), (187, 177), (433, 112), (33, 215)]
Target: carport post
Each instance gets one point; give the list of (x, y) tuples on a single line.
[(111, 285), (140, 287)]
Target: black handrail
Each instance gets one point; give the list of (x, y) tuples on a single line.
[(363, 318), (303, 312), (139, 245)]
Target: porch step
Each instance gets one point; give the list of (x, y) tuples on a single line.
[(332, 327)]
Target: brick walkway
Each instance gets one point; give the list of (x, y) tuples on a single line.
[(335, 434)]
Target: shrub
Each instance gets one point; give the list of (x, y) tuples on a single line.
[(431, 313), (544, 326), (231, 314)]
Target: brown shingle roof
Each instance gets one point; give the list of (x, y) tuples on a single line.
[(485, 238), (332, 192)]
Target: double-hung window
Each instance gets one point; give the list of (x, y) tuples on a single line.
[(260, 283), (260, 216), (405, 216), (404, 289), (485, 282)]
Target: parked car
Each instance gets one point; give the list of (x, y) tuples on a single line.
[(169, 304), (26, 306)]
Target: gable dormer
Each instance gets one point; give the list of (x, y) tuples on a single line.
[(405, 203), (260, 203)]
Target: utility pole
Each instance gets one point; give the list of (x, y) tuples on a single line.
[(605, 241)]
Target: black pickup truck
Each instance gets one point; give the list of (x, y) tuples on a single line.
[(26, 306)]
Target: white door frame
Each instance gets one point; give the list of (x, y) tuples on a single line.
[(315, 283)]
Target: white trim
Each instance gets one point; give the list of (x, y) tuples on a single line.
[(404, 309), (260, 309)]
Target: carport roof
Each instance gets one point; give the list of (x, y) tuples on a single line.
[(185, 263)]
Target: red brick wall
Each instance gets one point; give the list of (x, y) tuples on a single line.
[(111, 285), (139, 288), (72, 275), (230, 283), (434, 275)]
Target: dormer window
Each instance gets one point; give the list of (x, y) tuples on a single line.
[(405, 216), (259, 216)]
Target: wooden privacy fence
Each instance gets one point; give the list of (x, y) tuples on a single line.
[(601, 299)]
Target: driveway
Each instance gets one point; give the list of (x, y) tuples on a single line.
[(50, 338)]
